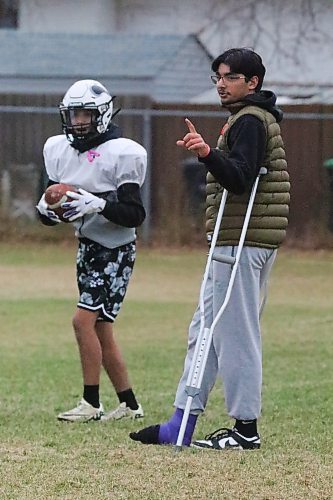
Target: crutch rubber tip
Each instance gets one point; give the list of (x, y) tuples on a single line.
[(177, 448)]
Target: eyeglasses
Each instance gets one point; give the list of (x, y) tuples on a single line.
[(228, 77)]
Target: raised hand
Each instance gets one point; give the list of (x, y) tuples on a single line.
[(193, 141)]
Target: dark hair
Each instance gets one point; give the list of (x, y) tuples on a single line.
[(242, 60)]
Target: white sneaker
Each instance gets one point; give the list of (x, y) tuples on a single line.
[(83, 412), (123, 411)]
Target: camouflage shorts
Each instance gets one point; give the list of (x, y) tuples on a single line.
[(102, 277)]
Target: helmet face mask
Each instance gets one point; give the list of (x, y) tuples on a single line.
[(80, 123), (86, 110)]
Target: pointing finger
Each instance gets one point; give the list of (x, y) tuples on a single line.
[(190, 125)]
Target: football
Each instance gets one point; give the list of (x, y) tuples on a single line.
[(55, 195)]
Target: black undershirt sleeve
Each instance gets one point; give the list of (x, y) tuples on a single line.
[(128, 209), (247, 144)]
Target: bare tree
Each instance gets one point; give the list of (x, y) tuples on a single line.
[(284, 29)]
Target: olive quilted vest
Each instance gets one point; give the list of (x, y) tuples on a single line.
[(269, 219)]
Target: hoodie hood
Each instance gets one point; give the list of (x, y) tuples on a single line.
[(265, 99)]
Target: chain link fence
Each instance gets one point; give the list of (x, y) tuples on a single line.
[(174, 189)]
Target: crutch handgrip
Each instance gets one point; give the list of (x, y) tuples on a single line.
[(224, 259)]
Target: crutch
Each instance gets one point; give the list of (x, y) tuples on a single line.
[(204, 340)]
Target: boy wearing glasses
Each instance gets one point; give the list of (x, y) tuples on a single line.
[(250, 139)]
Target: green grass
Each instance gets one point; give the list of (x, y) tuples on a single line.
[(40, 375)]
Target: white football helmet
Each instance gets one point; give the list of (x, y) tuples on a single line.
[(86, 110)]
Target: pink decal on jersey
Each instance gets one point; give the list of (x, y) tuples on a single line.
[(91, 155)]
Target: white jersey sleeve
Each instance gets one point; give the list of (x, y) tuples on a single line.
[(52, 149), (132, 164)]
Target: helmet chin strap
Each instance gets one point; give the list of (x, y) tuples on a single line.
[(115, 113), (82, 134)]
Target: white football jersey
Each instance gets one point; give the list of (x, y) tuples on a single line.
[(100, 170)]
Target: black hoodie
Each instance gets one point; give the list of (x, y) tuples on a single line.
[(247, 144)]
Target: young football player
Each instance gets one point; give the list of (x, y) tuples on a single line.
[(107, 171)]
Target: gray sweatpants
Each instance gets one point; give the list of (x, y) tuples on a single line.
[(235, 354)]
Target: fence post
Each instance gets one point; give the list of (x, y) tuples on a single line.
[(146, 188), (5, 193)]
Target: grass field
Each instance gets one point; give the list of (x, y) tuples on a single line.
[(41, 458)]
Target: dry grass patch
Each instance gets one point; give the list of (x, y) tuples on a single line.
[(40, 375)]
